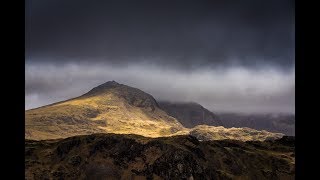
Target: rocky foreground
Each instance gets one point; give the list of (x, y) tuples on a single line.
[(115, 156)]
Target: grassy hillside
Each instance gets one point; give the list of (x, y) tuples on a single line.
[(111, 107), (205, 132)]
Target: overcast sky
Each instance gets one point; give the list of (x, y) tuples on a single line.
[(234, 56)]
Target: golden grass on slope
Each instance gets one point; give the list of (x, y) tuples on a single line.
[(124, 111), (244, 134), (103, 113)]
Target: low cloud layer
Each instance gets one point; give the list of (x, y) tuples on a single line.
[(226, 89)]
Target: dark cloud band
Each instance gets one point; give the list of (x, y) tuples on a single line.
[(182, 33)]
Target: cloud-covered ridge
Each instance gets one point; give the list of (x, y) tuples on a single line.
[(231, 89)]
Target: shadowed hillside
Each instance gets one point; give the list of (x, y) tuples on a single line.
[(114, 156), (190, 114)]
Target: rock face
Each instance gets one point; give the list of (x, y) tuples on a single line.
[(110, 107), (190, 114), (114, 156)]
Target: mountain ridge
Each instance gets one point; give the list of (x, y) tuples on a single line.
[(116, 108), (190, 114)]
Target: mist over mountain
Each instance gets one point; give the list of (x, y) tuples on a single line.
[(282, 123), (193, 114), (235, 89)]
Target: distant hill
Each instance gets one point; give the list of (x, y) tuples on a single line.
[(115, 156), (282, 123), (190, 114), (204, 132)]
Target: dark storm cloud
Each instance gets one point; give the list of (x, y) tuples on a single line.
[(184, 34), (226, 55)]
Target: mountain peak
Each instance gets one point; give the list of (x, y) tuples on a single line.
[(103, 87), (132, 95), (110, 83)]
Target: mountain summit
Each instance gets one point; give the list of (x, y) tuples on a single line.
[(109, 107), (104, 87), (132, 96)]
